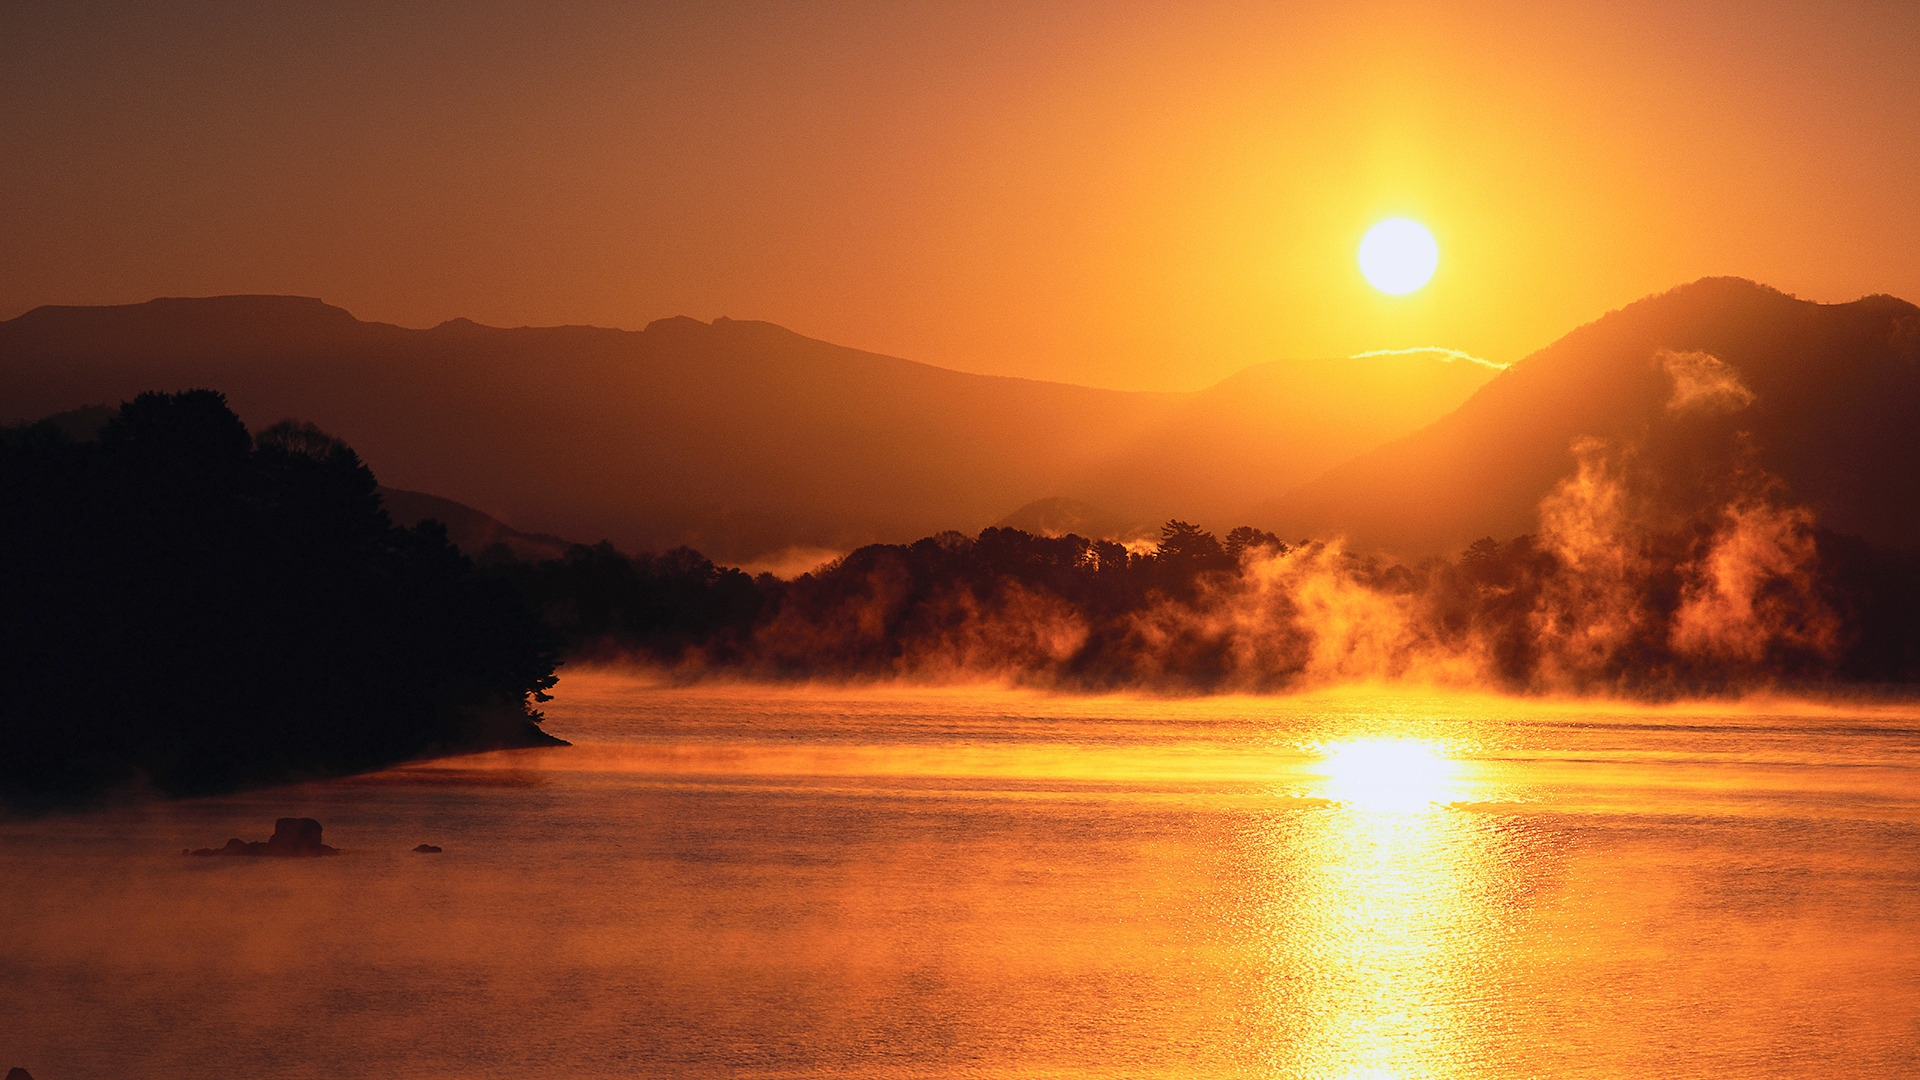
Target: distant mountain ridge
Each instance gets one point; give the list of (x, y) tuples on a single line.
[(740, 438), (474, 532), (1829, 405)]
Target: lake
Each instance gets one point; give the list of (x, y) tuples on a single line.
[(734, 881)]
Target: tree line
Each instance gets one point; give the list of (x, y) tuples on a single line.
[(1196, 613)]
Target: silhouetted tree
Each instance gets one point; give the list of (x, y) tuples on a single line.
[(596, 600), (1245, 541), (1184, 542), (196, 609), (1107, 557)]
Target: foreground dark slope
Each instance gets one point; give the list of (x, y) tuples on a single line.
[(195, 609), (1835, 405), (736, 437)]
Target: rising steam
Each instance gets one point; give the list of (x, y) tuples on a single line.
[(1703, 383), (1632, 584)]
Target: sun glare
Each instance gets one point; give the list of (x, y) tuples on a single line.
[(1389, 774), (1398, 256)]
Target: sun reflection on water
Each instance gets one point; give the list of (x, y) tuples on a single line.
[(1390, 775), (1385, 924)]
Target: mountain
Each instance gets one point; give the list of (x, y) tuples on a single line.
[(1719, 382), (1059, 516), (1277, 425), (739, 438), (473, 531)]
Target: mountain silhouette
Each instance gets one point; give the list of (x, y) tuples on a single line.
[(1688, 388), (1060, 516), (740, 438), (1271, 427), (474, 532)]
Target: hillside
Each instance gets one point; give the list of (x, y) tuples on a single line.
[(1823, 399), (1271, 427), (473, 532), (739, 438)]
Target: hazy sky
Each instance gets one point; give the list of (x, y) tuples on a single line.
[(1136, 195)]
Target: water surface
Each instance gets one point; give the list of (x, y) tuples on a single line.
[(738, 882)]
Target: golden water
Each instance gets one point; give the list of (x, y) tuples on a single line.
[(730, 882)]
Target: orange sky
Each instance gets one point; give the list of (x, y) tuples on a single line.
[(1134, 195)]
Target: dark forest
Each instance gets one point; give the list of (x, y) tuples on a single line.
[(1735, 603), (195, 609)]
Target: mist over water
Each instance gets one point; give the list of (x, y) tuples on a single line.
[(725, 881), (1664, 562)]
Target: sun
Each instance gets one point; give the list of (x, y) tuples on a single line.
[(1398, 256)]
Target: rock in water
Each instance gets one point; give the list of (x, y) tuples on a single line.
[(18, 1073), (297, 836), (428, 849), (293, 837)]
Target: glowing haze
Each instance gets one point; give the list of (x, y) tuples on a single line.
[(1134, 195)]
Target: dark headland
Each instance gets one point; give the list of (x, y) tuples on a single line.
[(192, 608)]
